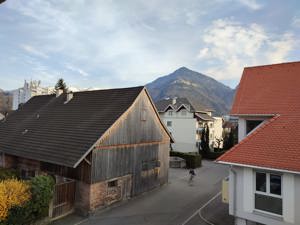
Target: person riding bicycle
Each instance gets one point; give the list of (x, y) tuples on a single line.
[(192, 175)]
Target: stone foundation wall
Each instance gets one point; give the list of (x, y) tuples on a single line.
[(90, 197), (98, 194)]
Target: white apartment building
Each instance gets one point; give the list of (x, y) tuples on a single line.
[(30, 89), (186, 123)]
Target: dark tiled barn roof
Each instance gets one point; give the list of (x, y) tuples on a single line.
[(48, 130)]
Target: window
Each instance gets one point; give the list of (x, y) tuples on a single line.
[(143, 114), (261, 180), (183, 112), (251, 124), (113, 183), (275, 184), (27, 174), (169, 123), (170, 112), (268, 192)]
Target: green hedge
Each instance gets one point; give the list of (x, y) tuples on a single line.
[(193, 160), (213, 155), (42, 192), (8, 174)]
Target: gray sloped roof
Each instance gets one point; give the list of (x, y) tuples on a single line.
[(204, 116), (48, 130), (164, 103)]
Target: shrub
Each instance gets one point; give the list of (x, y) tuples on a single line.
[(214, 155), (42, 192), (41, 188), (13, 193), (8, 174), (193, 160)]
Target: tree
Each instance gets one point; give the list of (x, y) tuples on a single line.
[(205, 140), (219, 141), (230, 138), (61, 85)]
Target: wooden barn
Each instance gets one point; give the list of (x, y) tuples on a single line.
[(102, 146)]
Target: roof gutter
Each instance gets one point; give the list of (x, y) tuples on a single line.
[(258, 167), (242, 115)]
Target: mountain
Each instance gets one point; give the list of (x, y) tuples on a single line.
[(200, 89)]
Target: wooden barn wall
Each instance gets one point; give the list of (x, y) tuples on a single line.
[(139, 125), (139, 161), (136, 139)]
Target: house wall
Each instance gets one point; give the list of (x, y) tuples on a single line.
[(217, 131), (183, 130), (241, 194)]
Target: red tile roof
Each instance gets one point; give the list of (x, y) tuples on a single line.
[(272, 89)]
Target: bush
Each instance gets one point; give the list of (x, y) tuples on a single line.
[(42, 192), (41, 188), (13, 193), (213, 155), (193, 160), (8, 174)]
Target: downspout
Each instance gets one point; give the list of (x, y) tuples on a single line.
[(234, 190)]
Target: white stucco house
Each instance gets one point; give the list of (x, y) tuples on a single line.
[(185, 122), (264, 177)]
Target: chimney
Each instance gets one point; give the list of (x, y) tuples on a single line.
[(174, 100), (59, 92), (69, 97)]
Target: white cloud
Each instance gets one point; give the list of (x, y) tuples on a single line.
[(77, 70), (32, 50), (232, 46), (122, 43), (296, 21), (132, 42), (252, 4)]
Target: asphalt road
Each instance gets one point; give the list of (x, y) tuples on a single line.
[(173, 204)]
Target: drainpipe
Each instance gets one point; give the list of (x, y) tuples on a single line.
[(234, 190)]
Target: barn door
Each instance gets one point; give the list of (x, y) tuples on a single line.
[(63, 200)]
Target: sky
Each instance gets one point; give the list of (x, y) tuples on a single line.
[(106, 44)]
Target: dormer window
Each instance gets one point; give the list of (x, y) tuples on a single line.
[(252, 124), (170, 112), (183, 112)]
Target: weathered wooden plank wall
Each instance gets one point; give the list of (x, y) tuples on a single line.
[(137, 144), (139, 125)]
